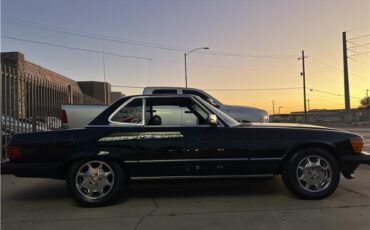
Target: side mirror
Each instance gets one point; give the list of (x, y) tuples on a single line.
[(212, 120), (212, 102)]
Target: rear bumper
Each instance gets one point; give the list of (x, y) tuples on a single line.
[(40, 170)]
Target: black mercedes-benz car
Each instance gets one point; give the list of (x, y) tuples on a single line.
[(183, 136)]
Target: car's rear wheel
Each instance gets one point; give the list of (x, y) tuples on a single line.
[(95, 182), (311, 174)]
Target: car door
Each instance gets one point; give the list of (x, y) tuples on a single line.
[(219, 151), (162, 143), (183, 145)]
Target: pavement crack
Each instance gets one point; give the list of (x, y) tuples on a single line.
[(267, 210), (150, 213), (350, 190)]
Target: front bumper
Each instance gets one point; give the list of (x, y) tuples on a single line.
[(350, 163), (363, 158), (39, 170)]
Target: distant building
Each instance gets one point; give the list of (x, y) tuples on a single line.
[(94, 92), (322, 116), (116, 95)]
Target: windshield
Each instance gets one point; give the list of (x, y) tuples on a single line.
[(226, 118)]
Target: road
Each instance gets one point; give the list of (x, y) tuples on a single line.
[(218, 204)]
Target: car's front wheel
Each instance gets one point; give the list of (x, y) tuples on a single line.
[(95, 182), (311, 174)]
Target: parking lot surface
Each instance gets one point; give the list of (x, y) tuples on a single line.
[(193, 204)]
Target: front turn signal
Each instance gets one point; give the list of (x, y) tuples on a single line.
[(357, 145)]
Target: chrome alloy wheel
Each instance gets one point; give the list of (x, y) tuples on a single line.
[(94, 179), (314, 173)]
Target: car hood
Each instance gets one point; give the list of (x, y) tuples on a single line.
[(290, 125)]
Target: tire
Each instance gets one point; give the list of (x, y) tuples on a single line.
[(95, 182), (311, 173)]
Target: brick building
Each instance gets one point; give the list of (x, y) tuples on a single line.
[(34, 88)]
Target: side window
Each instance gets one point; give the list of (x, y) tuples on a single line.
[(164, 91), (196, 93), (131, 113), (174, 112)]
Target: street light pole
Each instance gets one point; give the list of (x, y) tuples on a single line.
[(186, 72), (185, 55), (280, 107)]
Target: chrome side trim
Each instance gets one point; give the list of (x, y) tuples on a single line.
[(134, 161), (103, 153), (201, 177), (267, 159), (193, 160), (203, 159)]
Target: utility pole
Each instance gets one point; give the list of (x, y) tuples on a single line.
[(303, 73), (347, 101), (105, 84), (280, 107), (273, 107), (368, 103), (308, 104)]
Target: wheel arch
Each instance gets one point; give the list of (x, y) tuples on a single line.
[(63, 168), (320, 145)]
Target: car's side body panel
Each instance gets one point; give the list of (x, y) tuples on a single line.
[(183, 151)]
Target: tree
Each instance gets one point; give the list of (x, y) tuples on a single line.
[(365, 102)]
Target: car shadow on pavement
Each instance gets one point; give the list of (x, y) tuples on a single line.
[(200, 187), (45, 190), (57, 190)]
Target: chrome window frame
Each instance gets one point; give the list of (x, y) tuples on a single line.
[(123, 105), (143, 124)]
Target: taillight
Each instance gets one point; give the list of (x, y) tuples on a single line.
[(14, 152), (63, 116), (357, 145)]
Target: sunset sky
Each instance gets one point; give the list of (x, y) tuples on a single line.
[(253, 45)]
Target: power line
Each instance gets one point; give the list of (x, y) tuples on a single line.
[(219, 89), (255, 89), (357, 54), (21, 22), (358, 28), (241, 68), (360, 45), (358, 37), (358, 61), (323, 64), (129, 86), (75, 48), (330, 93)]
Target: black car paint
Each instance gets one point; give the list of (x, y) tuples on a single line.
[(144, 151)]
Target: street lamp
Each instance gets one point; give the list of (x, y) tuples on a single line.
[(280, 107), (185, 55)]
